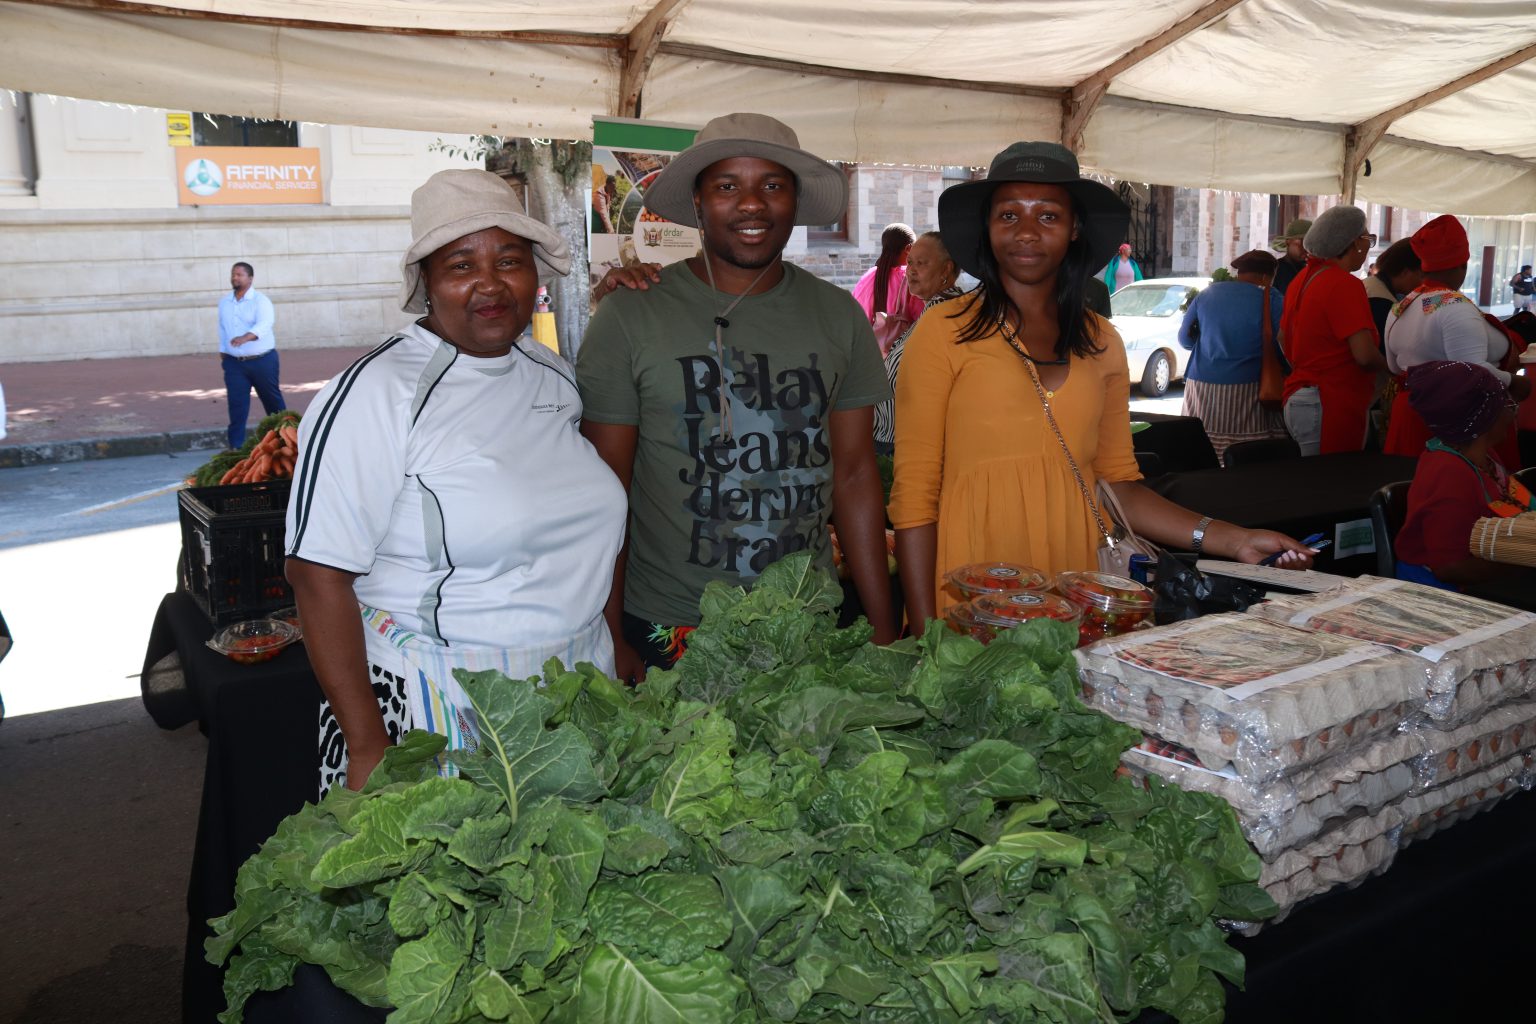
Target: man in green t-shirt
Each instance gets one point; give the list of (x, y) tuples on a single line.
[(734, 395)]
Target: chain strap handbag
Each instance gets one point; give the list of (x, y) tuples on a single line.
[(1117, 545)]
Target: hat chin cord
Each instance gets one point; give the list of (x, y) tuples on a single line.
[(721, 323)]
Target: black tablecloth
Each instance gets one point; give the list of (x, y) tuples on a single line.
[(1447, 930), (1179, 442), (263, 764), (1445, 934), (1298, 497)]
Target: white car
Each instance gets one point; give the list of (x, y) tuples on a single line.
[(1148, 314)]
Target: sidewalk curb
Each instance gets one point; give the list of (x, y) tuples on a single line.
[(13, 456)]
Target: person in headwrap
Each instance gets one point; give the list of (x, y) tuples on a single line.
[(1459, 479), (1121, 269), (1435, 321), (1329, 338)]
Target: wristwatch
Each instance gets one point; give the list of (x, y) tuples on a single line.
[(1197, 540)]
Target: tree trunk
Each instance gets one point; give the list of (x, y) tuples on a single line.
[(556, 195)]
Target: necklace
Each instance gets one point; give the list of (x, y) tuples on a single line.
[(1013, 342), (1501, 490), (721, 323)]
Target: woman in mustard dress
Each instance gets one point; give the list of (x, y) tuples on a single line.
[(981, 475)]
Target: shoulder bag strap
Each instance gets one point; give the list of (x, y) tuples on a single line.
[(1267, 328), (1045, 404)]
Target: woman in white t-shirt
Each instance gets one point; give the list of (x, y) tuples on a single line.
[(1434, 322), (446, 512)]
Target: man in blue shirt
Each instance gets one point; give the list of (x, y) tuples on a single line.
[(248, 350)]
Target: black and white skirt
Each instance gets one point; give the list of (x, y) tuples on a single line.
[(389, 691)]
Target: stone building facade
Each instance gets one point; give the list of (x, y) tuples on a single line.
[(97, 260)]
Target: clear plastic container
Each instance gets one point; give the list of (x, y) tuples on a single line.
[(1111, 605), (987, 616), (997, 578), (289, 615), (254, 640)]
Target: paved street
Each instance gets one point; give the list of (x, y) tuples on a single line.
[(86, 551)]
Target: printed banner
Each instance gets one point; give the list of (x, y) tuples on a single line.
[(248, 175), (626, 157)]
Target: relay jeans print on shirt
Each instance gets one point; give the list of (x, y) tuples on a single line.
[(760, 476)]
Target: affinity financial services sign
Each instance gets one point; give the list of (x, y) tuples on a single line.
[(247, 175)]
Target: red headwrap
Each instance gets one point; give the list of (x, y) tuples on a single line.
[(1441, 244)]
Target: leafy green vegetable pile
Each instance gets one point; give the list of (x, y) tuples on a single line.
[(793, 824)]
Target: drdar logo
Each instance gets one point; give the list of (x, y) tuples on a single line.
[(203, 177)]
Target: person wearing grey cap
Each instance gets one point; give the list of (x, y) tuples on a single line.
[(1329, 337), (1293, 253), (446, 512), (734, 396)]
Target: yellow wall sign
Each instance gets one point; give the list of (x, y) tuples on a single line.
[(178, 127), (248, 175)]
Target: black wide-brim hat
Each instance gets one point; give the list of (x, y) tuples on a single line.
[(1104, 222)]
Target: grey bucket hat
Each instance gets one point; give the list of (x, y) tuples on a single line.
[(456, 203), (821, 189)]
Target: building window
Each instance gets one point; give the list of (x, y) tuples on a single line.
[(837, 231), (1384, 233), (957, 176), (223, 130)]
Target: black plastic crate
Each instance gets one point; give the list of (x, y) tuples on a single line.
[(232, 549)]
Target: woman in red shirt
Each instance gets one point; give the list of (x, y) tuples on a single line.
[(1330, 339), (1459, 479)]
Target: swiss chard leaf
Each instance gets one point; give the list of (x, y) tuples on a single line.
[(617, 986), (519, 757), (672, 917)]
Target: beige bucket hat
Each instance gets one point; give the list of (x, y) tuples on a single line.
[(456, 203), (821, 189)]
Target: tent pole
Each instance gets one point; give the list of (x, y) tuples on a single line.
[(1363, 137), (640, 50), (1080, 101)]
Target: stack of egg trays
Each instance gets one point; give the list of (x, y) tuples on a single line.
[(1477, 655)]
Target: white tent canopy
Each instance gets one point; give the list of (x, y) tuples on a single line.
[(1288, 96)]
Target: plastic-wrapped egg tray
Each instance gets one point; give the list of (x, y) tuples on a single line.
[(1258, 698), (1345, 855), (1477, 654), (1277, 817), (1443, 806), (1449, 754)]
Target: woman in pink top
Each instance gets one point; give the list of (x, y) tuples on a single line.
[(882, 291)]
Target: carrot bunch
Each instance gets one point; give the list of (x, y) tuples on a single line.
[(271, 459)]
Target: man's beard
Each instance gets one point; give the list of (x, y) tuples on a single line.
[(745, 261)]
